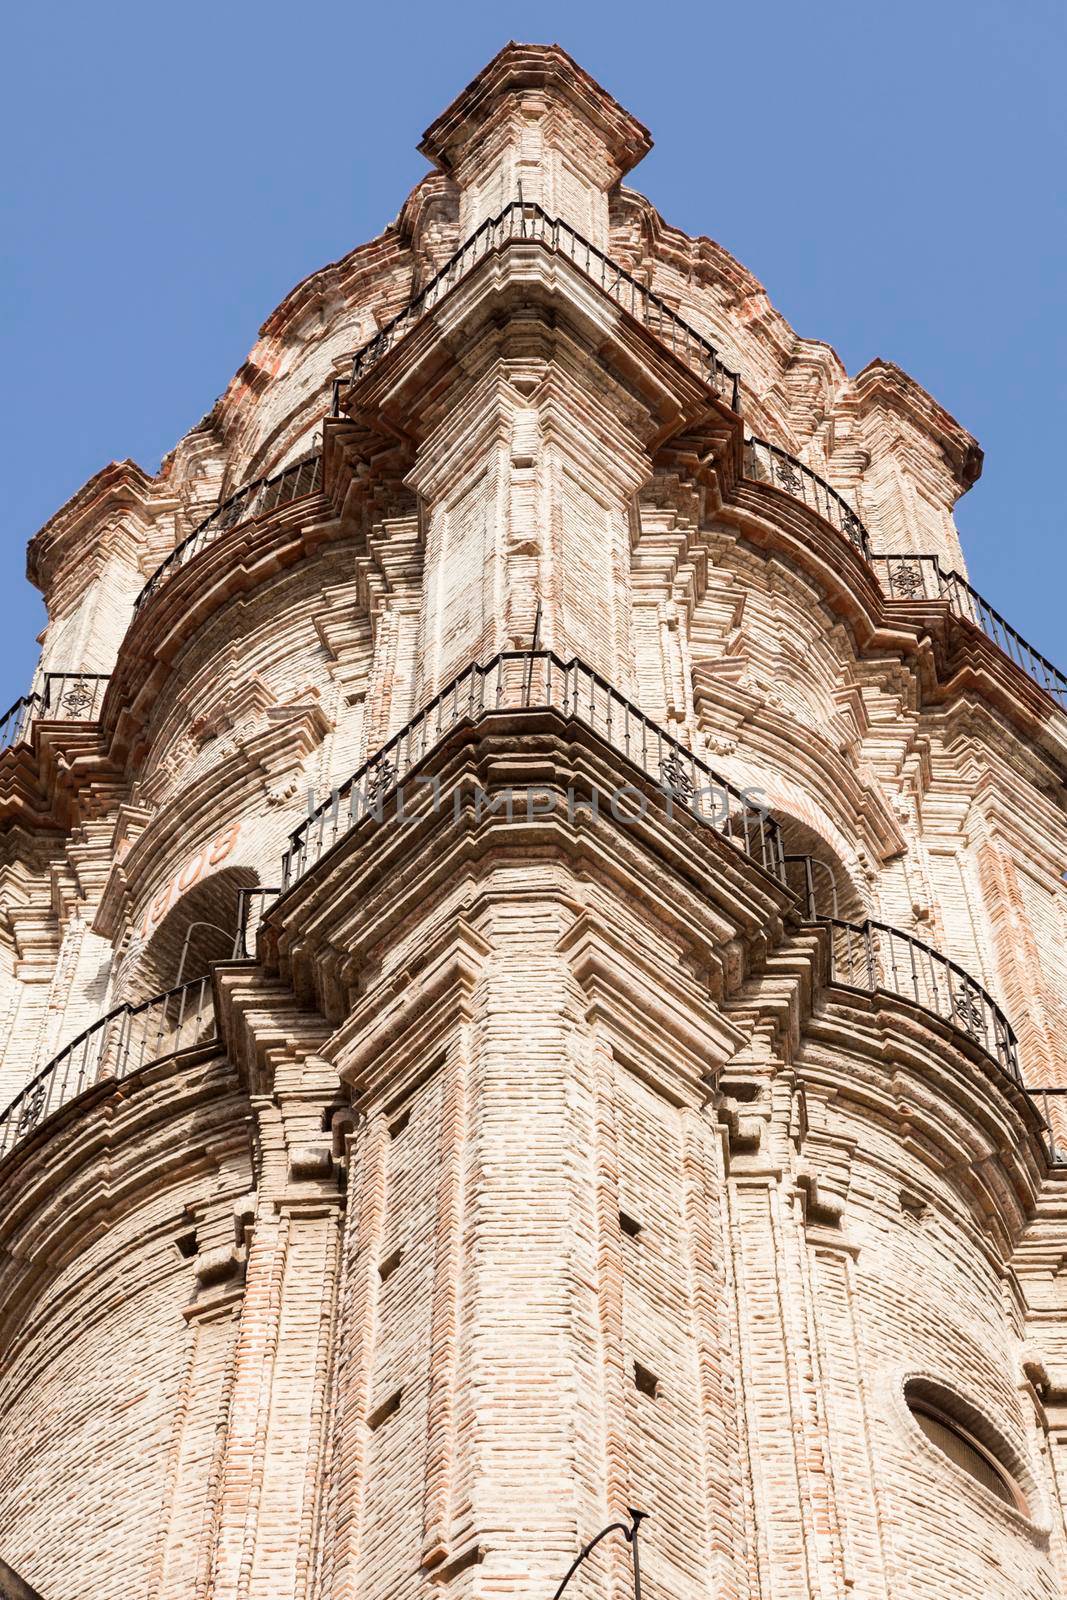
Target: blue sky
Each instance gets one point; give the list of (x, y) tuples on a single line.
[(893, 174)]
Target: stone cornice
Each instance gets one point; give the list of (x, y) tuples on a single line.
[(548, 69), (121, 493), (492, 314), (883, 383)]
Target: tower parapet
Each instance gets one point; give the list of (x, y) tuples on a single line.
[(532, 947)]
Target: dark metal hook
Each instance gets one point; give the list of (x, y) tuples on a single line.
[(629, 1533)]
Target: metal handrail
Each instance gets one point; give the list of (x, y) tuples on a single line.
[(903, 575), (251, 909), (525, 220), (872, 955), (67, 697), (299, 478), (518, 679), (123, 1041), (767, 463), (912, 577), (1038, 1095), (17, 720)]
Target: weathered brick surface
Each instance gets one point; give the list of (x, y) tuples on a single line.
[(539, 1170)]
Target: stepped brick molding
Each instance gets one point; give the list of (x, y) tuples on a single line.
[(533, 951)]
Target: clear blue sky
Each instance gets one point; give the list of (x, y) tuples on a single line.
[(892, 172)]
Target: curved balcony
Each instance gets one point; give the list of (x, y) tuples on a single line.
[(869, 956), (538, 679), (524, 220), (766, 463), (903, 576), (872, 955), (66, 697), (919, 577), (116, 1045), (255, 499)]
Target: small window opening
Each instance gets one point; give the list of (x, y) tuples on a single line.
[(462, 1563), (186, 1245), (387, 1267), (967, 1452), (383, 1412), (629, 1225), (646, 1381)]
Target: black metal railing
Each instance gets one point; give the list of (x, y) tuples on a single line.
[(766, 463), (254, 499), (522, 679), (872, 955), (123, 1041), (903, 576), (252, 905), (524, 220), (64, 697), (17, 720), (922, 577), (1051, 1107)]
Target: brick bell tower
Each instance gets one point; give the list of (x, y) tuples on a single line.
[(532, 948)]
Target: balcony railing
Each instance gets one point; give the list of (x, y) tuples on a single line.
[(65, 697), (524, 220), (255, 499), (252, 906), (904, 576), (517, 680), (766, 463), (1052, 1108), (128, 1038), (911, 577), (871, 956)]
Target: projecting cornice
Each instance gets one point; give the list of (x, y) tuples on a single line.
[(73, 533), (521, 69), (882, 383)]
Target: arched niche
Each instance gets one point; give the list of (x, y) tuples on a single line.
[(817, 872), (201, 927)]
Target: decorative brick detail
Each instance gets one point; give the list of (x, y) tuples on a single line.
[(531, 1158)]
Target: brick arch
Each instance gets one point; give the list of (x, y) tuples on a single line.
[(839, 891), (201, 927)]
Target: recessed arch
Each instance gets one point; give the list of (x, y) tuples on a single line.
[(966, 1438), (201, 927)]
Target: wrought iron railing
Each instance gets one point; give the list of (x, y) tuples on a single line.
[(766, 463), (520, 679), (872, 955), (524, 220), (17, 720), (1051, 1106), (904, 576), (255, 499), (123, 1041), (915, 577), (252, 905), (65, 697)]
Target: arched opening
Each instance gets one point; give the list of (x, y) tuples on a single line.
[(967, 1440), (200, 928), (817, 874)]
